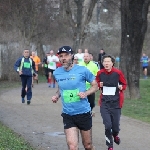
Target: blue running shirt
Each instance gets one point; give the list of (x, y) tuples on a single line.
[(144, 61), (70, 84)]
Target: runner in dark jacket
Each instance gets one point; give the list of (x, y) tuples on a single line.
[(111, 82), (25, 67), (100, 57), (45, 65)]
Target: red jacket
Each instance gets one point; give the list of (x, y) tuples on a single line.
[(112, 79), (58, 64)]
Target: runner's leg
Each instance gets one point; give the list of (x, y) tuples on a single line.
[(72, 138), (24, 83), (87, 139), (49, 77)]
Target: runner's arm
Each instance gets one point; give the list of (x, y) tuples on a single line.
[(58, 93), (56, 97), (91, 79), (17, 65), (93, 89)]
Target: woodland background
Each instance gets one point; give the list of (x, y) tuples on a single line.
[(41, 25)]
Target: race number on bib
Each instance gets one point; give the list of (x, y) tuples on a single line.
[(51, 63), (26, 65), (70, 96)]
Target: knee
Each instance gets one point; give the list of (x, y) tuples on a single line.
[(108, 126), (72, 146), (87, 146)]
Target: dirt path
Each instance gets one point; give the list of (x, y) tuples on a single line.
[(41, 123)]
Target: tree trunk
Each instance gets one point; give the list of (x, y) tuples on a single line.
[(134, 26), (0, 62), (82, 18)]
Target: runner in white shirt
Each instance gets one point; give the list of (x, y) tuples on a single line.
[(51, 61), (80, 55)]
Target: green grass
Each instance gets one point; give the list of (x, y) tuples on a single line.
[(11, 141), (137, 109)]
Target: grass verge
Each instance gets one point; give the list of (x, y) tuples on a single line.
[(139, 109), (11, 141)]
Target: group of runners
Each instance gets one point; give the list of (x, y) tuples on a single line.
[(78, 78)]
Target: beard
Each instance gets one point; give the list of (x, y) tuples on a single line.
[(67, 64)]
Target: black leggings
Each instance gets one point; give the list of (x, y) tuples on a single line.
[(91, 100)]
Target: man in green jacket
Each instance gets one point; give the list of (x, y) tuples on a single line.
[(94, 69)]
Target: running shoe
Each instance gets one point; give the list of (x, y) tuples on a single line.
[(23, 100), (117, 139), (110, 148), (28, 102)]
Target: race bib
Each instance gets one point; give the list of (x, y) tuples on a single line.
[(45, 65), (51, 63), (70, 96), (79, 60), (145, 61), (26, 65), (109, 90)]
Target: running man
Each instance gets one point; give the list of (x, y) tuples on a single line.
[(37, 61), (51, 61), (97, 64), (45, 65), (92, 67), (76, 112), (79, 55), (111, 82), (145, 60), (25, 67), (75, 60)]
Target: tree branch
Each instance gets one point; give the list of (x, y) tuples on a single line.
[(88, 16), (69, 13)]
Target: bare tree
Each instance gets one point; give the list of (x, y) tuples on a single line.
[(134, 25), (79, 20)]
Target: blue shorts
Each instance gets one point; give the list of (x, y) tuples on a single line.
[(145, 67)]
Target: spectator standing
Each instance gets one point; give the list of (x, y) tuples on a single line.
[(100, 56)]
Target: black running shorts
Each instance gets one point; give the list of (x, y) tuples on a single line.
[(50, 70), (81, 121)]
